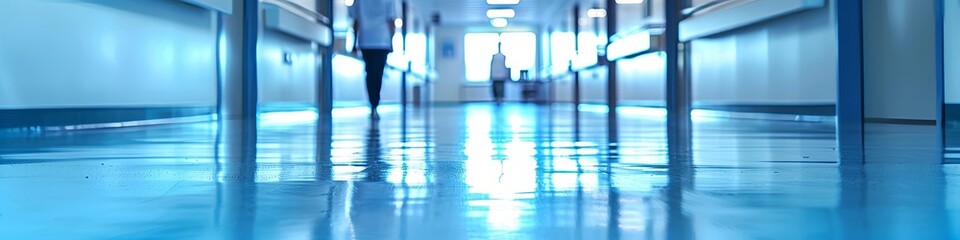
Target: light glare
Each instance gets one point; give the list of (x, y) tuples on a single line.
[(597, 13), (499, 22), (501, 13), (502, 2)]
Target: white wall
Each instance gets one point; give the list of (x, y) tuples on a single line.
[(951, 52), (789, 60), (593, 85), (563, 89), (786, 61), (641, 80), (106, 54), (899, 59), (283, 83), (450, 70)]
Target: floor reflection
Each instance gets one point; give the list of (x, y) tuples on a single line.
[(474, 171)]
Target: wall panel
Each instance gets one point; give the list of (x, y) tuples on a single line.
[(63, 54)]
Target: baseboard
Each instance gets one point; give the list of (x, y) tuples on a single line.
[(66, 117), (900, 121), (792, 109), (821, 110)]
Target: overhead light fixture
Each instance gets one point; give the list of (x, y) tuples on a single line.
[(629, 1), (499, 22), (501, 13), (349, 3), (597, 13), (503, 2)]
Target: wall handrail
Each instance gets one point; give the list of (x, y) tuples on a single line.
[(299, 9), (282, 19), (727, 15), (702, 7), (638, 41), (224, 6)]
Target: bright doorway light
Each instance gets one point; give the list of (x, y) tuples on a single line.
[(519, 47), (499, 22), (502, 2), (501, 13), (477, 57)]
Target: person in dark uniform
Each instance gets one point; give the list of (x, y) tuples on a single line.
[(499, 74)]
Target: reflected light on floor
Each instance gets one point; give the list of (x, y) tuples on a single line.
[(294, 117)]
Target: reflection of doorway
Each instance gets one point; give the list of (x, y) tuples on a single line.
[(519, 47), (951, 77)]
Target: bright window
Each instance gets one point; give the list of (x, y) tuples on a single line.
[(587, 50), (563, 49), (478, 52), (519, 47)]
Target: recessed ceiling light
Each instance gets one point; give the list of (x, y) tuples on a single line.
[(629, 1), (502, 2), (597, 13), (349, 3), (501, 13), (499, 22)]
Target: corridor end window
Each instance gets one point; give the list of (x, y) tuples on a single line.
[(563, 49), (519, 47), (478, 52)]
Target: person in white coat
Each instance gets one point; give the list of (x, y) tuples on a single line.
[(374, 26)]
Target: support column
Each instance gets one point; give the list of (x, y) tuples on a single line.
[(678, 86), (236, 150), (325, 86), (612, 98), (850, 81), (238, 65), (405, 7), (576, 44)]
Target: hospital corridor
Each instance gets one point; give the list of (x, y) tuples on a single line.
[(479, 119)]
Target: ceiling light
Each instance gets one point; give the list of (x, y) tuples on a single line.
[(502, 2), (597, 13), (629, 1), (499, 22), (501, 13), (349, 3)]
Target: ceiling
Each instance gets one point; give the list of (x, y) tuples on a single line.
[(473, 12)]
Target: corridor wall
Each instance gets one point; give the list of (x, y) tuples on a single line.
[(106, 54), (287, 67), (900, 72), (783, 64)]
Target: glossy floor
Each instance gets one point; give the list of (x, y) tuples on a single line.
[(474, 171)]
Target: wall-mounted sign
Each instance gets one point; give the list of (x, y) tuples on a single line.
[(448, 49)]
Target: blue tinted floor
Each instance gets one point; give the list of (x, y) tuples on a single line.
[(464, 172)]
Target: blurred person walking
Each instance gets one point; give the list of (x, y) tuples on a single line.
[(499, 74), (374, 26)]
